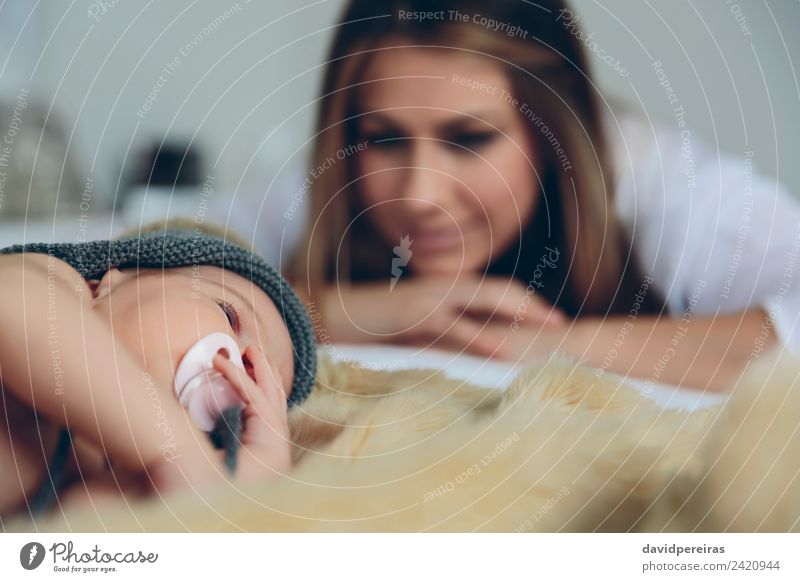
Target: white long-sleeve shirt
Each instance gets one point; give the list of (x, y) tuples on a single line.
[(713, 233)]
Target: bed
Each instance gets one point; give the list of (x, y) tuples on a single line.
[(555, 448), (497, 374)]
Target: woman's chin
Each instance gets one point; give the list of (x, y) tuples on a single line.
[(453, 265)]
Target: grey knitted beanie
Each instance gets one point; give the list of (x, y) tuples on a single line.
[(180, 248)]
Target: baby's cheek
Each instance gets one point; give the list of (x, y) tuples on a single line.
[(282, 371), (277, 368), (150, 352), (159, 363), (287, 387), (283, 361), (155, 345)]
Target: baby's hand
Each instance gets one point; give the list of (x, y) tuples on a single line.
[(265, 434)]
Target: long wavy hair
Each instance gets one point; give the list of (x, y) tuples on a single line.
[(547, 69)]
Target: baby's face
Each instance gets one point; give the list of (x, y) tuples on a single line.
[(159, 314)]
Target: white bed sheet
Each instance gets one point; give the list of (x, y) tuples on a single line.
[(494, 373)]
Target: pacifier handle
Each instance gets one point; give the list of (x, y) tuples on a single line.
[(203, 391)]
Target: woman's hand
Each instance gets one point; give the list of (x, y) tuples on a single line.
[(469, 313), (265, 433), (525, 343)]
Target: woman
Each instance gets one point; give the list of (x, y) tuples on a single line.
[(464, 194)]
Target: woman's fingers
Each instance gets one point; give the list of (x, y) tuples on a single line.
[(509, 301), (450, 312), (474, 337), (480, 316), (533, 311)]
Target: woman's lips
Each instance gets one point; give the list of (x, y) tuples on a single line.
[(438, 239)]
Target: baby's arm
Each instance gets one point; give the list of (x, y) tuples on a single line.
[(59, 357), (266, 448)]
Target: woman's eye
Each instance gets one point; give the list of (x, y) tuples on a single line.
[(472, 141), (384, 140), (231, 313)]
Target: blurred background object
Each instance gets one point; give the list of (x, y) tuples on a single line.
[(166, 183), (39, 173)]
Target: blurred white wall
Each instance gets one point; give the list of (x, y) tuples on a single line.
[(235, 72), (733, 65), (246, 69)]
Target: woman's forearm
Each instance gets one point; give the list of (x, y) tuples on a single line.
[(698, 352)]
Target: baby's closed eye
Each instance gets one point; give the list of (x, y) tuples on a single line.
[(231, 314)]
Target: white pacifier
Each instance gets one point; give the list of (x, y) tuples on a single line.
[(203, 391)]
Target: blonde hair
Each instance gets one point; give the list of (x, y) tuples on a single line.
[(548, 70)]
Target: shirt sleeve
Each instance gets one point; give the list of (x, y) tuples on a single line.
[(716, 235)]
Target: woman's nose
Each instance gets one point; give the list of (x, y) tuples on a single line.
[(427, 180)]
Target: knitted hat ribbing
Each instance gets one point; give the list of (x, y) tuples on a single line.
[(183, 248)]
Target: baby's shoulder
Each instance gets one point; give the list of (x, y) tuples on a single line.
[(55, 270)]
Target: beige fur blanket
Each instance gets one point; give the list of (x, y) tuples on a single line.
[(560, 450)]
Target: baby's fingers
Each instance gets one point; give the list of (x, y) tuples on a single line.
[(266, 376), (242, 384)]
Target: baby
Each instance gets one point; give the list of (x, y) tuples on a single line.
[(93, 335)]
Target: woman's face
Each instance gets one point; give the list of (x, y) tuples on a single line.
[(449, 160)]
